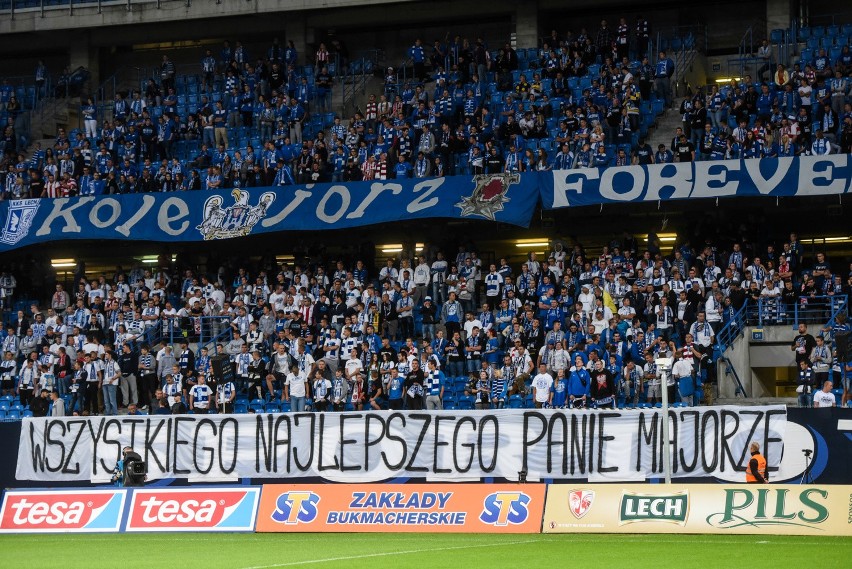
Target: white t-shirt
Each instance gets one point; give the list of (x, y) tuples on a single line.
[(296, 383), (542, 383), (353, 366), (823, 399), (201, 396)]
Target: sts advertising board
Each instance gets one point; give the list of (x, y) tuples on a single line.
[(491, 508)]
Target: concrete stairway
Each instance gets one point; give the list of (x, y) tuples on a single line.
[(666, 125)]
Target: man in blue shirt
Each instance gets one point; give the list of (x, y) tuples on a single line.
[(402, 169), (208, 67), (662, 78), (418, 58)]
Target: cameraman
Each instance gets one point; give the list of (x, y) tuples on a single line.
[(124, 473)]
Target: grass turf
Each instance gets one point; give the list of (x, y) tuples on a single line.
[(423, 551)]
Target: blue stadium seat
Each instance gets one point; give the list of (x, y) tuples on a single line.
[(813, 43), (831, 31), (272, 407), (804, 34), (817, 32), (257, 405), (516, 401), (13, 414), (776, 35), (27, 413), (834, 52), (466, 402)]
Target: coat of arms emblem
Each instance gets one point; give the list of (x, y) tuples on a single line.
[(488, 196), (233, 221)]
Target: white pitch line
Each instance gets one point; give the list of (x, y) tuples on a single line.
[(387, 554)]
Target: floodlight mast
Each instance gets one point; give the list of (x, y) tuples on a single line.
[(664, 365)]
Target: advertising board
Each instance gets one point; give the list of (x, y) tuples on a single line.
[(699, 508), (494, 508)]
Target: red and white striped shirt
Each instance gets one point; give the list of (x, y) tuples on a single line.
[(368, 170), (372, 111), (52, 190)]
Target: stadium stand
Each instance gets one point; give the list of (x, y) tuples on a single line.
[(457, 108), (618, 311)]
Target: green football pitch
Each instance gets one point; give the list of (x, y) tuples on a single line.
[(419, 551)]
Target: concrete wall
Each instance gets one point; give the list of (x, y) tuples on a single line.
[(759, 364)]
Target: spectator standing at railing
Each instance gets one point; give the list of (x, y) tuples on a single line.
[(167, 73), (40, 78), (821, 359), (322, 58), (323, 82), (662, 78), (804, 383), (803, 344)]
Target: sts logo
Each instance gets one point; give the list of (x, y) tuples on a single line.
[(504, 508), (296, 507)]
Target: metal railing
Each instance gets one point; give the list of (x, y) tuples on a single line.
[(201, 330), (355, 82), (13, 7), (746, 57), (774, 311), (682, 44), (821, 310)]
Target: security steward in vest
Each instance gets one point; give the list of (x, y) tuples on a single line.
[(756, 470)]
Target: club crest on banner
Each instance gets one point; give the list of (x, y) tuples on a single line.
[(233, 221), (580, 502), (19, 219), (488, 196)]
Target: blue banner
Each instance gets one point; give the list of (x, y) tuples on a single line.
[(225, 214), (770, 177), (507, 198)]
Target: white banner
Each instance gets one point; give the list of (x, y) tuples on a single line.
[(433, 445)]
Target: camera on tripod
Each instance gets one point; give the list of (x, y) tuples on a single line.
[(134, 471), (137, 468), (808, 452)]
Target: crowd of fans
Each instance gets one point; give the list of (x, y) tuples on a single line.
[(580, 100), (570, 330)]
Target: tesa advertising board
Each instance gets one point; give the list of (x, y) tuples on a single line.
[(62, 511), (193, 509), (494, 508)]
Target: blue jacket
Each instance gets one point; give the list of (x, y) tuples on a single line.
[(576, 381)]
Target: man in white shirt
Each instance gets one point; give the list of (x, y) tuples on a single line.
[(331, 350), (199, 397), (713, 309), (439, 272), (681, 368), (702, 331), (824, 398), (389, 273), (471, 323), (295, 389), (541, 385), (422, 278)]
